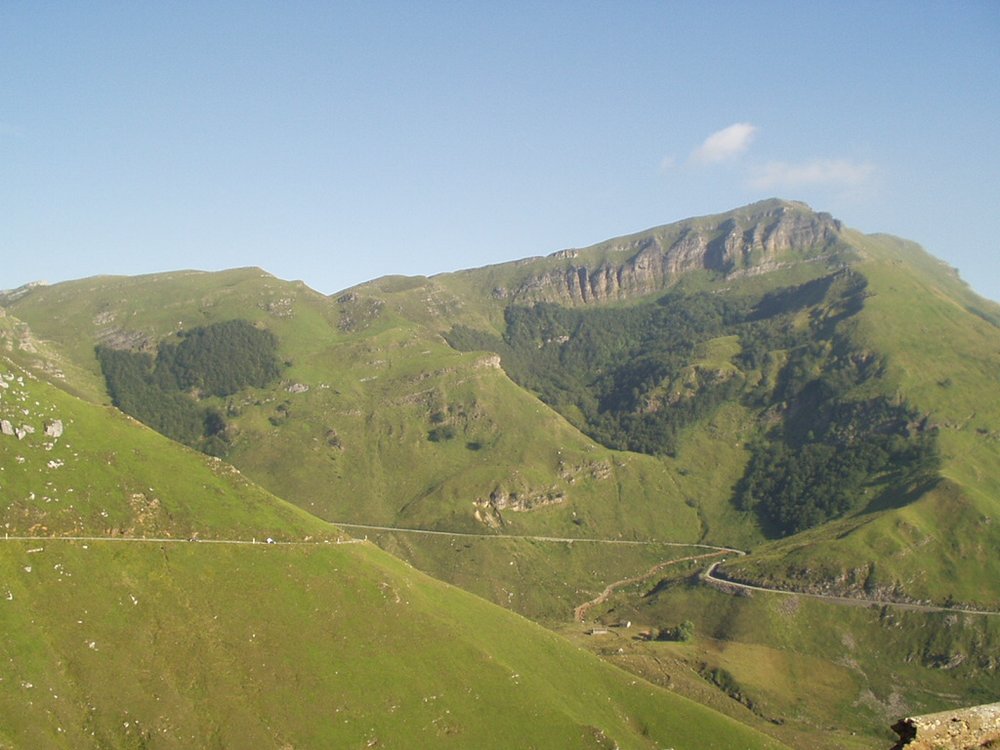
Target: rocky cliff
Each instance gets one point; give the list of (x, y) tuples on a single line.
[(756, 239)]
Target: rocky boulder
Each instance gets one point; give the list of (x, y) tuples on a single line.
[(961, 729)]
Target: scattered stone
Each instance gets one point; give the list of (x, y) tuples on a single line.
[(298, 388), (6, 427), (280, 308), (54, 428)]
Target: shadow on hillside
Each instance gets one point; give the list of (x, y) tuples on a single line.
[(902, 496)]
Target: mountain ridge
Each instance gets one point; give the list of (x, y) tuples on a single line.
[(435, 403), (749, 240)]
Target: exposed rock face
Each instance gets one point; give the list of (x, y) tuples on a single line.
[(961, 729), (279, 308), (54, 428), (488, 511), (7, 296), (120, 338), (356, 312), (491, 362), (739, 244), (594, 469)]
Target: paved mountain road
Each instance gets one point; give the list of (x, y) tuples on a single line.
[(709, 575), (580, 611)]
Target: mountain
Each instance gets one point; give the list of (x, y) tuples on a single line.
[(765, 379), (152, 596)]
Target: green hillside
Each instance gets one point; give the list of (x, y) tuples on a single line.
[(386, 422), (112, 644), (764, 379), (122, 631), (932, 540), (77, 469)]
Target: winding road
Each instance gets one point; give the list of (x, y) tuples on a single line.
[(724, 583), (579, 613), (709, 576)]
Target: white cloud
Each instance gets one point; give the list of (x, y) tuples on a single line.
[(822, 172), (725, 144)]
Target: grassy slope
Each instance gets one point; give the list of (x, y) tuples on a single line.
[(944, 359), (159, 644), (108, 475), (512, 572), (131, 645)]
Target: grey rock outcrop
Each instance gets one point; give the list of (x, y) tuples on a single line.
[(8, 296), (125, 340), (54, 428), (489, 510), (960, 729), (755, 240), (523, 501), (6, 427)]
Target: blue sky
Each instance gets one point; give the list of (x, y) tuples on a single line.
[(335, 142)]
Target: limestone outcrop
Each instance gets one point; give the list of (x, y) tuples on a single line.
[(960, 729), (489, 511), (738, 244)]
